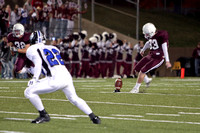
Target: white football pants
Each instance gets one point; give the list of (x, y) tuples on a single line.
[(52, 84)]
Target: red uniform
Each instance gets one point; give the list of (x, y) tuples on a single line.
[(155, 58), (20, 43)]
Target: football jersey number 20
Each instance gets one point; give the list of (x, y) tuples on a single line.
[(53, 57)]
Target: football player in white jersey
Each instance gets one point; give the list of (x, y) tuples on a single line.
[(47, 60)]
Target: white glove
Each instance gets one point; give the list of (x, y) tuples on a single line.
[(32, 82)]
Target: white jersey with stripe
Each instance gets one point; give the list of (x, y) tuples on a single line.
[(47, 60)]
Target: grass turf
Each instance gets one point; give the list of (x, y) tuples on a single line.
[(168, 105)]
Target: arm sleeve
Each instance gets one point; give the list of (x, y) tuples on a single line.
[(165, 51), (146, 46)]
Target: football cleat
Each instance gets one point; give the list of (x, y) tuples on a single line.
[(148, 83), (134, 90), (96, 120), (41, 119)]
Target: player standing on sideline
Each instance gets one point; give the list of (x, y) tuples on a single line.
[(47, 59), (19, 41), (158, 45)]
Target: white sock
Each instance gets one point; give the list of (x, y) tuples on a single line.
[(137, 85), (146, 79)]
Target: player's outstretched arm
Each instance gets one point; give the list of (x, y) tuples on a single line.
[(24, 49)]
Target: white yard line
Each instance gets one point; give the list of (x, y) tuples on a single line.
[(113, 118), (180, 80), (4, 87), (7, 91), (189, 113), (4, 131), (154, 94), (162, 114), (112, 103), (127, 115)]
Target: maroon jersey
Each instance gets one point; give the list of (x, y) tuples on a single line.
[(75, 51), (129, 53), (19, 42), (120, 51), (110, 53), (156, 43)]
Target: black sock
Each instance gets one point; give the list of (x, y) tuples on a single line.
[(43, 113), (92, 116)]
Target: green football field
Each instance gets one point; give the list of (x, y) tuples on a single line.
[(169, 105)]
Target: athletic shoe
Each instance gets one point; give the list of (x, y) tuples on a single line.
[(96, 120), (134, 90), (148, 83), (42, 119)]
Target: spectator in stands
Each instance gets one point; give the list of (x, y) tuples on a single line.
[(3, 16), (5, 58), (8, 10), (36, 3), (64, 21), (14, 17), (196, 56), (29, 9), (45, 27), (24, 17), (72, 12)]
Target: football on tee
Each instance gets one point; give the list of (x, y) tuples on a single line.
[(118, 84)]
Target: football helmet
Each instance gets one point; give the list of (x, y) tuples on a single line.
[(149, 30), (18, 30), (37, 37)]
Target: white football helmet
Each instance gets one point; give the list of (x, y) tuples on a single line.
[(18, 30), (149, 30)]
